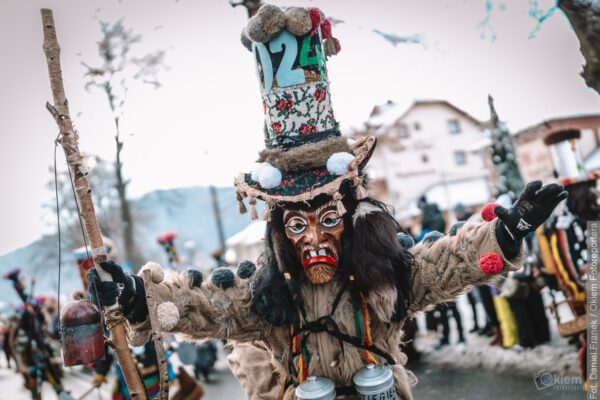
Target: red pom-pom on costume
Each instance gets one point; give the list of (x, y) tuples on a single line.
[(315, 18), (490, 263), (488, 212), (337, 44), (166, 237), (326, 29)]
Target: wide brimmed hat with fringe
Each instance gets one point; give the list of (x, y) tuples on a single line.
[(305, 154)]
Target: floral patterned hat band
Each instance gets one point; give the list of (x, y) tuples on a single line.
[(304, 147)]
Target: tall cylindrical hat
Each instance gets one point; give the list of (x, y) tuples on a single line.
[(305, 154), (565, 149)]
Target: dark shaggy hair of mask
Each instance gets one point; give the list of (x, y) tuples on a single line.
[(370, 251), (378, 258)]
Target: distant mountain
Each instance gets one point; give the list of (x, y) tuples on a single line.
[(187, 211)]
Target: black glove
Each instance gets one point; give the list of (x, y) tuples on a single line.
[(128, 288), (533, 207)]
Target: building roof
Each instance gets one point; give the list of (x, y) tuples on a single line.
[(551, 123), (388, 113), (251, 234)]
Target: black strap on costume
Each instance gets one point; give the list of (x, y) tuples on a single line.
[(322, 324), (286, 142)]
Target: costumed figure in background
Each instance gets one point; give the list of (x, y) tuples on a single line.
[(37, 361), (335, 285), (562, 239)]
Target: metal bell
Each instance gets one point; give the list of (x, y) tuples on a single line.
[(375, 383), (82, 333), (316, 388)]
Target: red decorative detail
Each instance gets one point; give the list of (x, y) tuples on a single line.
[(304, 129), (490, 263), (289, 104), (488, 212), (320, 259), (595, 175), (326, 29), (567, 181), (315, 17), (336, 42), (313, 129), (276, 127), (167, 237), (280, 105)]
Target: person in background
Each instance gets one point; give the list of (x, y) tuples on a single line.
[(443, 310)]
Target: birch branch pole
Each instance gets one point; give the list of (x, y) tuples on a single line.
[(68, 140)]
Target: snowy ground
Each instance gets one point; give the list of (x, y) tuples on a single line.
[(557, 356)]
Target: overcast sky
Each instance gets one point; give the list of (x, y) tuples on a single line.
[(204, 125)]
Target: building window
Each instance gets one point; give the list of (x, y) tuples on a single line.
[(453, 126), (417, 126), (424, 158), (460, 157)]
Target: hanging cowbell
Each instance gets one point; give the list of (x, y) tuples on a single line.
[(82, 333)]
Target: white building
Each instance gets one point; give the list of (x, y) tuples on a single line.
[(428, 149), (247, 244)]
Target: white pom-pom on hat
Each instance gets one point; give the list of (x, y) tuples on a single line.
[(256, 171), (168, 315), (337, 164), (268, 176)]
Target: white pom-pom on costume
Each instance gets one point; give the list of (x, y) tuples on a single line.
[(157, 273), (168, 315), (256, 171), (337, 164), (269, 177)]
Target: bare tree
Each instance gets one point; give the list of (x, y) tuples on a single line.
[(114, 76), (105, 197), (584, 16)]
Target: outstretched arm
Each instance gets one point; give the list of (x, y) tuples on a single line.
[(450, 265), (218, 307)]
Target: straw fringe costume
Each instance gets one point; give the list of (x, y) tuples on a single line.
[(337, 279)]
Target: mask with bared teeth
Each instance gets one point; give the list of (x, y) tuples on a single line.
[(316, 235)]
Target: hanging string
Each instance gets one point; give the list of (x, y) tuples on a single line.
[(85, 242), (56, 143)]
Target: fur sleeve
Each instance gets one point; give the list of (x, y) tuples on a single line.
[(449, 266), (204, 311)]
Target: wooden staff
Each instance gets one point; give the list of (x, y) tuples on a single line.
[(68, 139), (156, 336)]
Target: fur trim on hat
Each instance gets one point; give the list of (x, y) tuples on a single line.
[(168, 315), (310, 155)]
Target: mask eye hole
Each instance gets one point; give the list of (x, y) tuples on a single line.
[(330, 219), (296, 225)]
